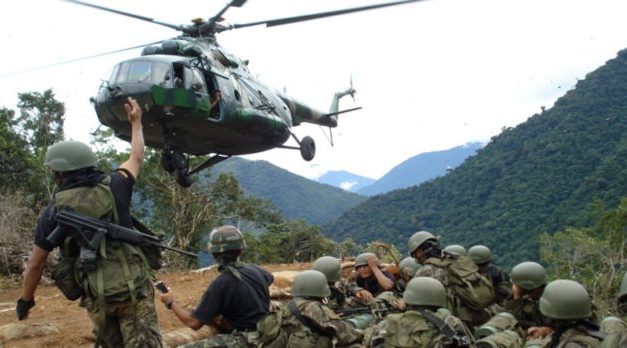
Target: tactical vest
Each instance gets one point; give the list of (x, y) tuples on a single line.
[(120, 269), (280, 328)]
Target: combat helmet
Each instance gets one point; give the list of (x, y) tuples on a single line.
[(310, 283), (528, 275), (480, 254), (425, 291), (565, 300), (410, 264), (362, 259), (66, 156), (329, 266), (455, 249), (417, 239), (226, 238)]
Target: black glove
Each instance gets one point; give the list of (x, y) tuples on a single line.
[(23, 307)]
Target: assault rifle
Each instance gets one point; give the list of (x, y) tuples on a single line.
[(347, 312), (91, 231), (459, 341)]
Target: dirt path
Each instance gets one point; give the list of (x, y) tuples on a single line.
[(75, 326)]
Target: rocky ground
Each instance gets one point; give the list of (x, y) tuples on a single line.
[(57, 322)]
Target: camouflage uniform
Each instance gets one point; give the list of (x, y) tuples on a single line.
[(328, 327), (615, 331), (526, 310), (137, 324), (576, 337), (343, 295), (233, 340)]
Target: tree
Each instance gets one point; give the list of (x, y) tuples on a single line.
[(595, 256)]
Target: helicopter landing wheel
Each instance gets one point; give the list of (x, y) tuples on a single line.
[(183, 179), (307, 148)]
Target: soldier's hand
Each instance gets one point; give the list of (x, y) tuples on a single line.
[(133, 111), (538, 332), (399, 304), (23, 307), (372, 261), (364, 295), (516, 292)]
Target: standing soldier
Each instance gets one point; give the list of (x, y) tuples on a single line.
[(114, 281), (370, 278), (482, 256), (306, 322), (567, 307), (235, 301), (426, 323), (468, 292)]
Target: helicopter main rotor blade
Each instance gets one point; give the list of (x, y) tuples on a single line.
[(75, 60), (302, 18), (218, 16), (143, 18)]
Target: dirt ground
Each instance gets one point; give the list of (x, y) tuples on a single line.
[(75, 327)]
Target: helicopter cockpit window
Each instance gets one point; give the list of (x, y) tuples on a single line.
[(139, 71)]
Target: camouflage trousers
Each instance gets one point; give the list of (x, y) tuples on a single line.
[(233, 340), (125, 325)]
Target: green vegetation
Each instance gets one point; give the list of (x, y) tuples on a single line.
[(595, 256), (538, 177), (294, 196)]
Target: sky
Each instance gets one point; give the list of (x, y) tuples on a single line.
[(430, 75)]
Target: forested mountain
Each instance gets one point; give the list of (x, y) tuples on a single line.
[(295, 196), (345, 180), (540, 176), (421, 168)]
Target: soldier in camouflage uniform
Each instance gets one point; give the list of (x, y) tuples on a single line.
[(426, 322), (529, 280), (123, 316), (424, 247), (408, 268), (567, 307), (234, 302), (455, 249), (342, 291), (306, 322), (615, 328), (482, 256), (370, 278)]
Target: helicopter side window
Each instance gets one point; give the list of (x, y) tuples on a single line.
[(193, 80)]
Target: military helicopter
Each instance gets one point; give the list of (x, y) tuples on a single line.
[(200, 100)]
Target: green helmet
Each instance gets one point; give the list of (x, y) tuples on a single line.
[(362, 259), (410, 264), (417, 239), (528, 275), (226, 238), (480, 254), (329, 266), (310, 284), (455, 249), (66, 156), (425, 291), (566, 300), (622, 294)]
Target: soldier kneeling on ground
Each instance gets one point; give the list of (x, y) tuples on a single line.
[(305, 321), (425, 323)]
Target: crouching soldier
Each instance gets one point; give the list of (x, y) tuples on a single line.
[(342, 291), (305, 321), (425, 323)]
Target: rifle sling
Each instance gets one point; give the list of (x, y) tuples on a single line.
[(443, 327), (304, 320)]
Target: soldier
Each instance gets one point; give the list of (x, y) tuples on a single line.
[(614, 328), (482, 256), (342, 290), (529, 280), (370, 278), (468, 293), (407, 267), (113, 282), (235, 301), (305, 321), (455, 248), (425, 323), (567, 307)]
